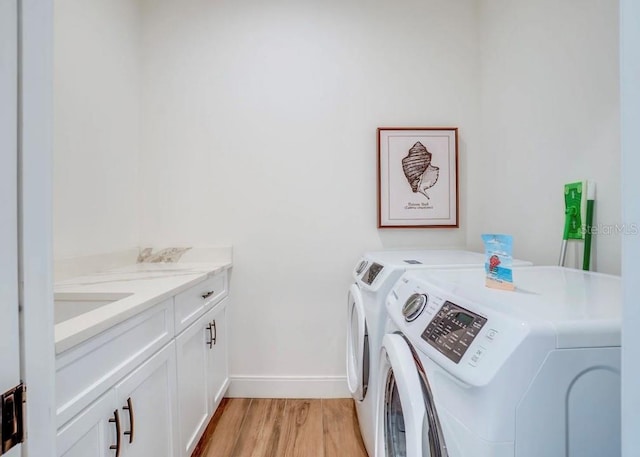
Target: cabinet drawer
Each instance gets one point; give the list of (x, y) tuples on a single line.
[(90, 369), (193, 302)]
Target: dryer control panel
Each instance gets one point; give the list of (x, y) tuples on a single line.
[(452, 330)]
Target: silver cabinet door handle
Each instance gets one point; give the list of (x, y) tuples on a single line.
[(129, 407), (116, 419)]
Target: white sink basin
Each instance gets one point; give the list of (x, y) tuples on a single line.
[(68, 305)]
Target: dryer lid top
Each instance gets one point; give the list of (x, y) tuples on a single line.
[(430, 258), (574, 302)]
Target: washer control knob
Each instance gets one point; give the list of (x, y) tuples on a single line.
[(414, 306), (361, 266)]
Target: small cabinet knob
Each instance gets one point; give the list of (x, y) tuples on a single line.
[(207, 294)]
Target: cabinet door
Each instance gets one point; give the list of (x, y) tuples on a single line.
[(90, 434), (218, 368), (146, 399), (192, 351)]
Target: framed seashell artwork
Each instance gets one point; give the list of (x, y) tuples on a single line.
[(417, 177)]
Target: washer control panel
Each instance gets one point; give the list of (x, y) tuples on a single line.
[(372, 273), (452, 330)]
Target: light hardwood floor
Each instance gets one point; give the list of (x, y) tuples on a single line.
[(244, 427)]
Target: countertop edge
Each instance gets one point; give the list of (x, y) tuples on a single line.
[(70, 333)]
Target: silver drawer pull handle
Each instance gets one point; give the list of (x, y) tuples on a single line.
[(116, 419), (212, 340), (208, 294), (129, 407)]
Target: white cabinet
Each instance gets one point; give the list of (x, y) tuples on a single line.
[(88, 370), (192, 351), (202, 374), (134, 419), (137, 389), (148, 411), (218, 366), (193, 302)]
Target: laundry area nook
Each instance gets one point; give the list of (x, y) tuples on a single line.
[(319, 228)]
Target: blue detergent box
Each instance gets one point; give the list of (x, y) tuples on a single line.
[(498, 264)]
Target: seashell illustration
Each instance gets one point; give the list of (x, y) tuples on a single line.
[(428, 180), (415, 163), (418, 170)]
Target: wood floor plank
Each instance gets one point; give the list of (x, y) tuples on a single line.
[(224, 437), (261, 429), (201, 447), (341, 430), (301, 434), (283, 428)]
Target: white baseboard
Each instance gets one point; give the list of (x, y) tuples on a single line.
[(288, 387)]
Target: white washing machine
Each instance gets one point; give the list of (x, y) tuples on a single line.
[(471, 371), (374, 276)]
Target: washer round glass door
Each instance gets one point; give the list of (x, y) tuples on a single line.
[(401, 409), (357, 344)]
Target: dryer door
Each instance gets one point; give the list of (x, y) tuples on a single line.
[(408, 424), (357, 345)]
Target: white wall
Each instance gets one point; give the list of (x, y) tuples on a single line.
[(260, 131), (97, 126), (549, 115), (630, 96), (255, 125)]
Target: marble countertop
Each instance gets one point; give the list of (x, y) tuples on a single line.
[(148, 284)]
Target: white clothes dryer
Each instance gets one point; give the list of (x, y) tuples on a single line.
[(375, 274), (471, 371)]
